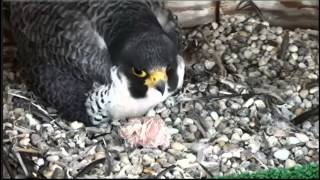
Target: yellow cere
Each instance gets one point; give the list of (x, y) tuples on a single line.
[(155, 76)]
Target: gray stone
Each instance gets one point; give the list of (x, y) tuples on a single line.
[(282, 154)]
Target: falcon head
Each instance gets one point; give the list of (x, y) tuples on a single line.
[(150, 63)]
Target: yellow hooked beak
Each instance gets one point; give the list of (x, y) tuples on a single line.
[(157, 79)]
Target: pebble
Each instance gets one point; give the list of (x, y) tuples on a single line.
[(292, 140), (314, 90), (222, 138), (306, 125), (35, 139), (293, 48), (304, 93), (294, 58), (235, 138), (214, 115), (76, 125), (260, 104), (178, 146), (32, 121), (40, 162), (313, 144), (214, 25), (209, 64), (272, 141), (170, 102), (290, 163), (263, 61), (147, 160), (235, 106), (302, 137), (185, 163), (53, 158), (254, 146), (279, 30), (177, 122), (187, 121), (247, 54), (282, 154), (24, 141), (298, 153), (172, 131), (245, 137)]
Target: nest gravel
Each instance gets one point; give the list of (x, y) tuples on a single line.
[(248, 80)]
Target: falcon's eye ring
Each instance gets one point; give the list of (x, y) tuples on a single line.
[(139, 73)]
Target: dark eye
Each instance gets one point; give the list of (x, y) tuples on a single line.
[(139, 73)]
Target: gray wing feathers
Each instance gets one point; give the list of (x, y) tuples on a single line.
[(63, 34)]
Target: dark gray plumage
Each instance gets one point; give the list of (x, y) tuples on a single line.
[(98, 60)]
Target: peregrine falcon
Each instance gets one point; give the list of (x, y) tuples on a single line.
[(95, 61)]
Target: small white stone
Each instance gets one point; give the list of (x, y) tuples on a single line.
[(247, 54), (279, 30), (263, 61), (172, 131), (24, 141), (124, 158), (249, 28), (214, 115), (254, 37), (226, 155), (209, 64), (76, 125), (307, 104), (185, 163), (293, 48), (314, 90), (254, 146), (40, 162), (269, 48), (237, 152), (282, 154), (178, 146), (262, 37), (298, 153), (260, 104), (312, 76), (216, 149), (177, 121), (222, 138), (32, 121), (53, 158), (302, 65), (147, 160), (248, 103), (294, 56), (302, 137), (272, 141), (235, 106), (266, 23), (214, 25), (151, 113), (235, 138), (313, 144), (292, 140), (192, 158), (245, 137), (187, 121), (289, 163)]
